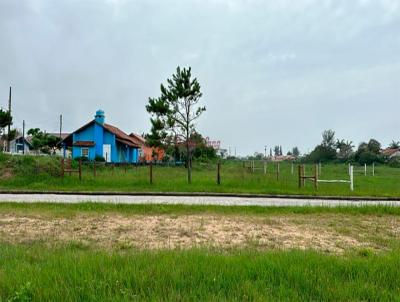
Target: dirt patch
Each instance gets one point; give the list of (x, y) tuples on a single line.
[(6, 173), (328, 233)]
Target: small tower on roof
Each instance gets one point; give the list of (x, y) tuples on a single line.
[(100, 117)]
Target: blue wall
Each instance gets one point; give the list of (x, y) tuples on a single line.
[(98, 138), (120, 153), (109, 139), (86, 134)]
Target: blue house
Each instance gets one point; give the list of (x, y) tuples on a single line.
[(98, 139)]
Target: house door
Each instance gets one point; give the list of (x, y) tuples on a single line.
[(107, 152)]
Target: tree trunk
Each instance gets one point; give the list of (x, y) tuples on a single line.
[(188, 153), (189, 162)]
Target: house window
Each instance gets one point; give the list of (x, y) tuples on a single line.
[(85, 152)]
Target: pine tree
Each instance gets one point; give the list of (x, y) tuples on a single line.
[(174, 112)]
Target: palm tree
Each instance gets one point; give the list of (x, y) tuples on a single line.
[(345, 148), (394, 145)]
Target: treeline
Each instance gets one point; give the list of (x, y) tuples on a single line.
[(336, 150), (200, 151)]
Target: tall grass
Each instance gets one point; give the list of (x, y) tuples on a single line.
[(74, 274), (60, 209)]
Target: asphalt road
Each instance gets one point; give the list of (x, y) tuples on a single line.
[(191, 200)]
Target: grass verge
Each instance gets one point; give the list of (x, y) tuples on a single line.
[(62, 209), (70, 273)]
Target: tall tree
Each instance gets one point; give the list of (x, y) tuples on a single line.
[(345, 148), (277, 151), (328, 138), (295, 151), (174, 113), (325, 151), (42, 141), (394, 145), (5, 121)]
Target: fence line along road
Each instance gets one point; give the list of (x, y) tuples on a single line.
[(193, 200)]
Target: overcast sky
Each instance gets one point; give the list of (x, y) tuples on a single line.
[(272, 72)]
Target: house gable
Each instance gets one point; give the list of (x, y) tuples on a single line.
[(95, 135)]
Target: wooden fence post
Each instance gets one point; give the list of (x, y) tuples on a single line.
[(365, 169), (80, 169), (316, 168), (94, 168), (265, 167), (151, 172), (373, 169), (219, 173), (62, 168), (277, 171), (69, 166), (299, 168), (351, 179), (303, 181), (292, 168)]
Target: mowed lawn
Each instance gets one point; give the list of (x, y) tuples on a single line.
[(42, 174), (105, 252)]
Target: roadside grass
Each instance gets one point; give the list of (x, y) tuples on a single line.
[(72, 270), (43, 174), (64, 209), (76, 273)]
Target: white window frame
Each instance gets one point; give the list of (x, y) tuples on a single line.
[(87, 152)]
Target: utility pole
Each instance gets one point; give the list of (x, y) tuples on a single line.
[(265, 152), (23, 137), (60, 125), (8, 132)]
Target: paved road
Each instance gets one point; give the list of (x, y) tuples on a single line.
[(191, 200)]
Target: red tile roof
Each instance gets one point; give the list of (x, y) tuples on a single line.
[(140, 140), (390, 151), (121, 136)]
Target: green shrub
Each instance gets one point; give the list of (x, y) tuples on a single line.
[(99, 158), (81, 158), (394, 162)]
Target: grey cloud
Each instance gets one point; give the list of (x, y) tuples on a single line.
[(272, 72)]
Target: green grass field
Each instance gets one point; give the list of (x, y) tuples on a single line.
[(41, 174), (72, 274), (40, 266)]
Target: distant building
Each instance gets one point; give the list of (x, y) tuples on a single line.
[(391, 152), (21, 145), (283, 158), (146, 153), (98, 139)]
